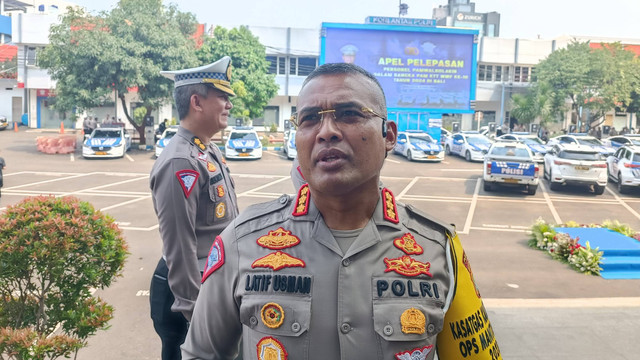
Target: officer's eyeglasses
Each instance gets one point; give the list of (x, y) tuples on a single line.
[(308, 120)]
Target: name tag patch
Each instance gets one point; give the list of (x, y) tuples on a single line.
[(293, 284)]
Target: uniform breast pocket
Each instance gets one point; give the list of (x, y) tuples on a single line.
[(217, 209), (407, 326), (274, 325)]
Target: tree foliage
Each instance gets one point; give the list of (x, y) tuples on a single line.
[(251, 82), (122, 50)]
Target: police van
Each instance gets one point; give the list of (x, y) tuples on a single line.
[(510, 163)]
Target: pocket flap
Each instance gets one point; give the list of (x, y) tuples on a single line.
[(276, 315), (406, 321)]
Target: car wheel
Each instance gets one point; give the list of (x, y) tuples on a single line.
[(447, 150), (409, 155), (467, 155), (622, 189), (553, 185), (531, 189), (487, 186), (598, 190)]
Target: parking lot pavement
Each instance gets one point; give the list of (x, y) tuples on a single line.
[(540, 308)]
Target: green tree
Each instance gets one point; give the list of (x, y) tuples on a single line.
[(123, 50), (251, 82), (534, 105)]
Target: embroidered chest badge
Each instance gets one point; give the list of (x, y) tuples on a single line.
[(215, 259), (272, 315), (210, 166), (278, 239), (220, 190), (408, 244), (198, 143), (270, 348), (413, 321), (221, 209), (202, 157), (390, 211), (278, 260), (415, 354), (187, 179), (407, 266), (302, 202)]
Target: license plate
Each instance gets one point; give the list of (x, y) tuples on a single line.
[(243, 154), (582, 167), (431, 157), (514, 181), (101, 153)]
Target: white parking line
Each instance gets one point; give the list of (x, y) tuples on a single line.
[(129, 157), (472, 208), (547, 198), (264, 186), (612, 302), (124, 203), (406, 188), (49, 181), (393, 161), (621, 202)]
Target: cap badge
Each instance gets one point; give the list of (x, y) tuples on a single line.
[(271, 349), (278, 260), (407, 266), (302, 202), (413, 321), (390, 210), (415, 354), (278, 239), (272, 315), (408, 244)]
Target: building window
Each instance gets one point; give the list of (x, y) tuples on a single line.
[(522, 74), (281, 66), (306, 65), (495, 73), (498, 74), (31, 58), (270, 116), (273, 64)]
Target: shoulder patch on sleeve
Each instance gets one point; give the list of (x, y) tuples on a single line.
[(215, 259), (187, 179)]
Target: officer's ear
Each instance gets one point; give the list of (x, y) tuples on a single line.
[(390, 134)]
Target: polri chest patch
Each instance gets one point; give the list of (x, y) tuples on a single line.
[(187, 179), (215, 259)]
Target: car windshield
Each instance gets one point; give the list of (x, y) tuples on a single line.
[(589, 141), (169, 134), (531, 141), (476, 140), (243, 136), (422, 138), (636, 158), (509, 151), (634, 141), (100, 134), (580, 155)]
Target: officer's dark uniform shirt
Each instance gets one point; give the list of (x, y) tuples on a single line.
[(277, 277), (194, 198)]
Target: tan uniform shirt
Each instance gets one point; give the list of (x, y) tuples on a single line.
[(194, 198), (286, 288)]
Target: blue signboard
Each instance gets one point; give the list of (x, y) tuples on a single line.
[(431, 70), (400, 21)]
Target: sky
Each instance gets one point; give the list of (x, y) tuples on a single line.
[(525, 19)]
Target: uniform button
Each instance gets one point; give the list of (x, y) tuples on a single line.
[(346, 262), (388, 330), (431, 328), (253, 321), (283, 199), (345, 328), (295, 327)]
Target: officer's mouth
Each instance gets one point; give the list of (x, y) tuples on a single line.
[(330, 158)]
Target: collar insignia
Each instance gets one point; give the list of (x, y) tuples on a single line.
[(407, 266), (198, 143), (221, 209), (390, 211), (224, 161), (278, 260), (271, 349), (202, 156), (215, 259), (220, 190), (210, 166), (278, 239), (187, 179), (302, 202), (415, 354), (413, 321), (408, 244), (272, 315)]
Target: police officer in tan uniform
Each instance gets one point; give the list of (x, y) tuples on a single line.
[(193, 196), (342, 270)]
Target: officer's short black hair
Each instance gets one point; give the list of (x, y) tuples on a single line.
[(182, 97), (346, 68)]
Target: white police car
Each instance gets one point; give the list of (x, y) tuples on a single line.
[(622, 140), (571, 164), (106, 142), (470, 144), (582, 139), (535, 144), (510, 163), (165, 138), (623, 167), (418, 145), (243, 142), (289, 146)]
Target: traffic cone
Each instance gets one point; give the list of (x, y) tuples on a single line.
[(61, 127), (15, 127)]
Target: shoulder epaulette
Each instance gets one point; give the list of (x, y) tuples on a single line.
[(389, 208), (418, 220), (197, 142), (260, 211)]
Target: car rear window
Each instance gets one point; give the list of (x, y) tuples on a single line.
[(510, 151), (580, 155), (106, 134), (636, 158), (244, 136)]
